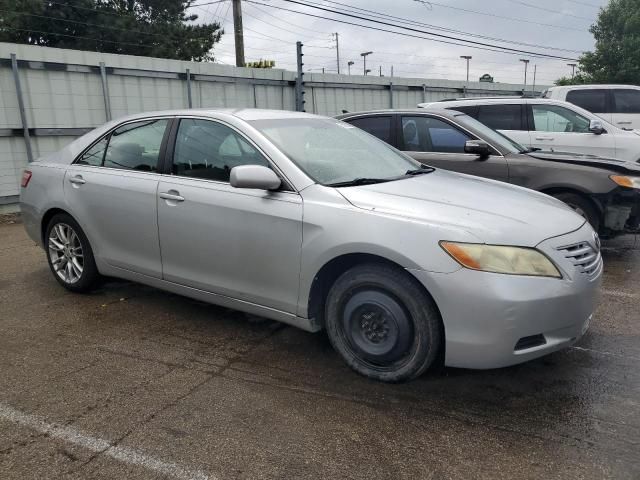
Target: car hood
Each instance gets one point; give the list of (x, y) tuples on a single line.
[(614, 164), (491, 211)]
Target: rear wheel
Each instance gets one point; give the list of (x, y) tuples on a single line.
[(383, 323), (583, 206), (69, 254)]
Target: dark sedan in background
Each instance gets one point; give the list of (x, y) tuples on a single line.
[(604, 191)]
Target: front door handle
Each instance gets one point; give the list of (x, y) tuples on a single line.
[(77, 180), (172, 195), (544, 138), (624, 123)]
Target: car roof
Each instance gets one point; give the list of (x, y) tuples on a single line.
[(592, 87), (393, 111), (247, 114), (487, 101)]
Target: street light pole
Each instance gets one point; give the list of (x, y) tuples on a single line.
[(526, 63), (364, 59), (573, 69), (467, 58), (349, 63), (337, 52)]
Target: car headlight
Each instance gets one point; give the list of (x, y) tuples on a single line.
[(501, 259), (624, 181)]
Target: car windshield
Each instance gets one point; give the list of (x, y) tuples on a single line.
[(333, 152), (489, 135)]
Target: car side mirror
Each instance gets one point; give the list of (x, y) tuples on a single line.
[(596, 127), (477, 147), (254, 176)]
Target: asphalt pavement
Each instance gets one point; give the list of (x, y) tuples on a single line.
[(132, 382)]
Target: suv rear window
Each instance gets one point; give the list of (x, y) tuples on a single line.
[(501, 117), (592, 100)]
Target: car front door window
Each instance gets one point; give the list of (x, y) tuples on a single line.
[(209, 150), (553, 118), (428, 134)]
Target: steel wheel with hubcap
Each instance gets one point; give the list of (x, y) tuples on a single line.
[(383, 323), (69, 254)]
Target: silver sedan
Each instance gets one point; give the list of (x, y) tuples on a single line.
[(315, 223)]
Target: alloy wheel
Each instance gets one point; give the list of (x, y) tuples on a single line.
[(65, 253)]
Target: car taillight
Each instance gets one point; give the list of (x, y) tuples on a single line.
[(26, 177)]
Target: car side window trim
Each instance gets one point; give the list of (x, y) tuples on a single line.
[(163, 145), (287, 185)]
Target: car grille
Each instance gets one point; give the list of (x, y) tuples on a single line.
[(584, 257)]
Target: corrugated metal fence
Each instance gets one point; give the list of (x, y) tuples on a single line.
[(68, 92)]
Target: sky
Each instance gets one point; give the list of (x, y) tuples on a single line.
[(547, 25)]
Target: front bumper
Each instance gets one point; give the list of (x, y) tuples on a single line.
[(621, 212), (494, 320)]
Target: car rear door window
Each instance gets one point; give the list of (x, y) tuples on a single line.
[(553, 118), (136, 146), (428, 134), (593, 100), (626, 100), (209, 150), (378, 126), (501, 117)]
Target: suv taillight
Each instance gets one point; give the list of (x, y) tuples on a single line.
[(26, 177)]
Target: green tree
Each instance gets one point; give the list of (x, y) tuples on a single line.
[(616, 58), (154, 28)]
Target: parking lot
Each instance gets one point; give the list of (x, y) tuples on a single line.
[(133, 382)]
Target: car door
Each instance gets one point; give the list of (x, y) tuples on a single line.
[(241, 243), (437, 142), (112, 190), (626, 108), (555, 127)]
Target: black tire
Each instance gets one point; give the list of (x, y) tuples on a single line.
[(583, 206), (383, 323), (89, 275)]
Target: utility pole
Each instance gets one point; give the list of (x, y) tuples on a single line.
[(526, 63), (392, 70), (337, 52), (349, 63), (573, 69), (299, 79), (364, 59), (380, 70), (535, 69), (467, 58), (238, 32)]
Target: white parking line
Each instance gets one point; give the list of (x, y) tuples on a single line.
[(99, 445), (615, 293)]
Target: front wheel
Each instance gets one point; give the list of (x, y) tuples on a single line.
[(383, 323), (582, 206), (69, 254)]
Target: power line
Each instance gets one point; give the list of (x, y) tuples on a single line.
[(280, 28), (584, 3), (264, 12), (441, 39), (515, 19), (550, 10), (380, 15)]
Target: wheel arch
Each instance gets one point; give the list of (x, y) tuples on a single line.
[(556, 189), (331, 270), (46, 218)]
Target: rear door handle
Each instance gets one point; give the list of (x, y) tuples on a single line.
[(624, 123), (175, 197), (77, 180), (544, 138)]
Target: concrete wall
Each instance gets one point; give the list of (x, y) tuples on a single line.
[(62, 90)]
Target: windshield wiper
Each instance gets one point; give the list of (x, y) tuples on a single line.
[(420, 171), (359, 181)]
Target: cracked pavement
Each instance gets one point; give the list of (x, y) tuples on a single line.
[(132, 382)]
